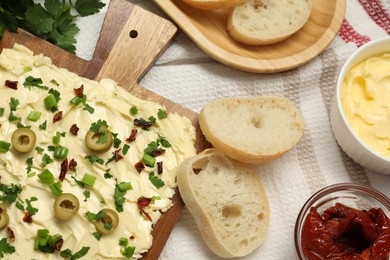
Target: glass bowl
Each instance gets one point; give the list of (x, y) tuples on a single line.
[(352, 195)]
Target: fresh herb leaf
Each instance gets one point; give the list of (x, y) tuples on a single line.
[(88, 7), (4, 146), (97, 235), (155, 180), (56, 94), (5, 247), (13, 104), (161, 114), (30, 208), (34, 82), (94, 159), (87, 195), (88, 108), (133, 111), (43, 126), (119, 194), (82, 252), (1, 111), (46, 159), (10, 192), (126, 148), (107, 174), (29, 162), (117, 141), (128, 251)]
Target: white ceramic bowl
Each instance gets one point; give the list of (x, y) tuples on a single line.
[(342, 131)]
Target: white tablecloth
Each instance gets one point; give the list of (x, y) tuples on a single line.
[(189, 77)]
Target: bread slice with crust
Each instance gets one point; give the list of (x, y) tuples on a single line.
[(252, 130), (261, 22), (228, 202), (213, 4)]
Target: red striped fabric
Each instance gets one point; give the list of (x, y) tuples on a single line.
[(348, 34), (377, 12)]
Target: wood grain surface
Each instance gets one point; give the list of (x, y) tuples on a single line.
[(208, 30), (130, 41)]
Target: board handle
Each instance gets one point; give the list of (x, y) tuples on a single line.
[(130, 42)]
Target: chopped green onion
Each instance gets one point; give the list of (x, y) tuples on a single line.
[(42, 233), (39, 150), (54, 239), (126, 148), (46, 177), (128, 252), (57, 138), (54, 82), (155, 180), (88, 179), (61, 152), (125, 186), (56, 188), (123, 241), (34, 116), (46, 160), (148, 160), (27, 69), (88, 108), (50, 102), (31, 174), (4, 146), (76, 101)]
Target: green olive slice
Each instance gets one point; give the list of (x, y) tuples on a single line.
[(66, 206), (108, 222), (23, 140), (4, 219), (91, 140)]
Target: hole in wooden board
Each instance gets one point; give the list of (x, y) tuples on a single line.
[(133, 34)]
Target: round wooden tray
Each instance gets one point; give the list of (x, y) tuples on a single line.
[(208, 30)]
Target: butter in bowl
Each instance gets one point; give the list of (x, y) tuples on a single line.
[(360, 115)]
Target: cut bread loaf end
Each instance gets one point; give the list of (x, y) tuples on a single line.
[(252, 130), (213, 4), (227, 201), (262, 22)]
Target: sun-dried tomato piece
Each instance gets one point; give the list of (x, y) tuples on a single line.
[(11, 234), (142, 203), (74, 129), (64, 169), (118, 156), (72, 165), (27, 217), (11, 84), (132, 136), (59, 244), (157, 152), (79, 91), (139, 166), (57, 117), (160, 167)]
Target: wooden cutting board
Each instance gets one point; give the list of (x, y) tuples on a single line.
[(130, 42)]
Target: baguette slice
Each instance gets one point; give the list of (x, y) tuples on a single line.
[(261, 22), (227, 201), (252, 130), (213, 4)]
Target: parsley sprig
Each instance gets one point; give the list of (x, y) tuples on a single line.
[(53, 21)]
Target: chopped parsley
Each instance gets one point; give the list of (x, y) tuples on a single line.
[(94, 159), (67, 253), (43, 125), (13, 104), (4, 146), (100, 127), (97, 235), (119, 194), (10, 192), (161, 114), (45, 242), (46, 159), (56, 94), (87, 195), (29, 207), (152, 119), (93, 217), (155, 180), (34, 82), (54, 82), (128, 251), (29, 162), (1, 111), (5, 247), (88, 108), (107, 174), (133, 111), (117, 141)]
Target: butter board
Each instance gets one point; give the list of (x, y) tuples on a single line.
[(130, 41)]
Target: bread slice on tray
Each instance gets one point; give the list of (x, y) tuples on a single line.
[(261, 22), (227, 201), (252, 130), (213, 4)]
